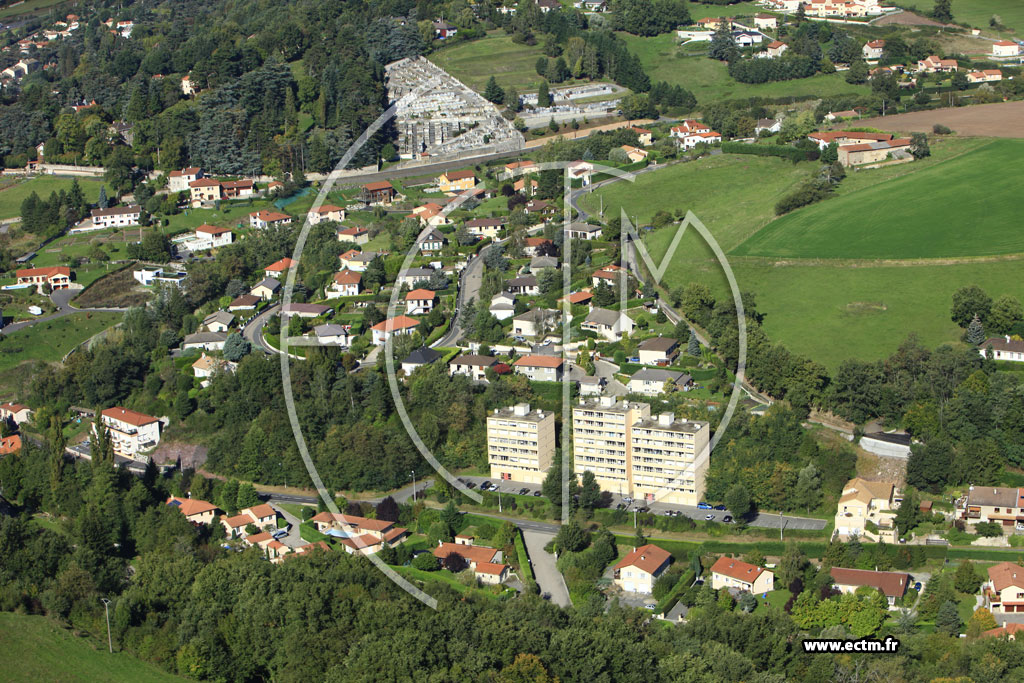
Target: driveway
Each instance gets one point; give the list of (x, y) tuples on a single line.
[(607, 369), (544, 567), (254, 330), (294, 537), (61, 298)]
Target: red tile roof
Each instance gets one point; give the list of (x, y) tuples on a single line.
[(893, 584), (470, 553), (130, 416), (269, 216), (47, 272), (356, 231), (281, 266), (204, 182), (490, 568), (347, 277), (327, 208), (420, 295), (580, 297), (648, 558), (1011, 628), (458, 175), (1006, 574), (263, 510), (212, 230), (238, 521), (537, 241), (399, 322), (379, 185), (191, 506), (539, 362), (10, 444), (737, 569)]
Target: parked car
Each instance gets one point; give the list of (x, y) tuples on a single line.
[(523, 491), (620, 506), (667, 513), (536, 493), (709, 517), (719, 507), (634, 359), (644, 509), (650, 605), (704, 506), (470, 485), (486, 486), (627, 500), (917, 586), (727, 519), (280, 533), (546, 596)]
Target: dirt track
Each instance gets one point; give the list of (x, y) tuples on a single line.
[(906, 19), (1001, 120)]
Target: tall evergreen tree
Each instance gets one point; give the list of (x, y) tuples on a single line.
[(493, 92), (103, 202), (543, 95), (975, 331), (693, 345)]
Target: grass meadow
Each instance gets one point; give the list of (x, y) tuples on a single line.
[(978, 12), (12, 197)]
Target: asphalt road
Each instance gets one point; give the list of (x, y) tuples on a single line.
[(254, 330), (470, 280), (545, 567), (62, 300)]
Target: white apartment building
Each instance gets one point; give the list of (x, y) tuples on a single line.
[(601, 434), (670, 455), (520, 443), (131, 433)]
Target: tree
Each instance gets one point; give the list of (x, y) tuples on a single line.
[(236, 347), (830, 154), (747, 602), (454, 563), (919, 146), (103, 202), (948, 619), (858, 72), (247, 496), (693, 345), (943, 11), (966, 579), (737, 500), (544, 94), (571, 537), (1005, 314), (425, 561), (387, 510), (970, 301), (808, 488), (512, 99), (451, 517), (908, 515), (493, 92), (959, 80), (722, 46), (792, 564), (981, 621), (590, 491), (975, 331), (101, 448)]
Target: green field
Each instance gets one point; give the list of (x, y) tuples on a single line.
[(50, 340), (978, 12), (474, 62), (733, 195), (966, 206), (664, 60), (27, 7), (39, 650), (12, 197)]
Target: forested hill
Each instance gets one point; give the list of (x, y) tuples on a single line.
[(279, 82)]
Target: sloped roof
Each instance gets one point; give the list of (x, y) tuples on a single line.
[(893, 584), (191, 506), (737, 569), (648, 558), (1006, 574), (130, 416), (422, 356)]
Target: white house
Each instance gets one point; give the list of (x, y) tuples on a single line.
[(637, 571), (177, 181), (265, 219), (1005, 48), (652, 381), (503, 306), (218, 321), (535, 322), (152, 276), (213, 236), (398, 325), (333, 334), (471, 365), (326, 212), (727, 572), (131, 433), (344, 283), (873, 50), (584, 231), (609, 324), (1003, 348), (582, 171), (116, 217), (208, 341), (420, 301), (539, 368)]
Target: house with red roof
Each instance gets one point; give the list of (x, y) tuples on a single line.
[(359, 534), (398, 325), (485, 563), (278, 269), (213, 236), (728, 572), (1003, 593), (10, 444), (355, 235), (326, 212), (177, 181), (204, 190), (261, 516), (195, 510), (639, 569), (533, 245), (131, 433), (420, 301), (932, 64), (873, 50), (345, 283), (1005, 48), (775, 49), (539, 368), (15, 412), (57, 277), (1009, 629), (893, 584), (238, 189), (379, 192), (266, 219), (643, 136)]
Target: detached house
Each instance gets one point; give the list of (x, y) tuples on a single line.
[(1003, 348), (933, 64), (420, 301), (204, 190), (653, 381), (266, 288), (116, 217), (893, 584), (992, 504), (454, 181), (527, 285), (262, 517), (727, 572), (1005, 48), (608, 324), (584, 231), (326, 212), (536, 322), (418, 358), (15, 412), (1003, 593), (539, 368), (195, 510), (609, 275), (212, 236), (131, 433), (485, 563), (485, 227), (873, 50), (471, 365), (266, 219), (867, 509), (345, 283), (332, 334), (359, 260), (398, 326), (637, 571), (533, 245), (582, 171), (278, 269), (178, 181), (57, 277), (657, 350), (359, 534), (775, 49), (380, 192), (238, 189), (218, 321), (207, 341), (431, 242), (355, 235)]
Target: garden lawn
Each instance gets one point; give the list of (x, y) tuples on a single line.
[(978, 12), (12, 197), (966, 206), (663, 59), (733, 195), (37, 649), (50, 340)]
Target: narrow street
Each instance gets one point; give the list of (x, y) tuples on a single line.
[(545, 567)]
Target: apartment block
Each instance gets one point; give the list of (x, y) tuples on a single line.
[(520, 443), (131, 433), (602, 434), (669, 455)]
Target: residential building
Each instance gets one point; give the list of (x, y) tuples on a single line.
[(326, 212), (689, 127), (454, 181), (536, 322), (238, 189), (844, 137), (545, 210), (534, 245), (867, 509), (424, 355), (207, 341), (57, 277), (432, 241), (523, 167), (15, 412), (413, 277), (471, 365), (177, 181), (655, 381), (216, 237), (10, 444), (539, 368), (540, 262), (278, 269), (359, 260), (503, 306), (693, 139), (526, 284), (766, 22), (610, 325), (873, 50), (208, 366), (548, 5), (116, 217), (602, 431), (359, 534), (657, 350), (332, 334), (985, 76), (643, 136), (188, 87), (156, 276), (609, 275), (131, 433), (893, 584), (728, 572), (420, 301), (992, 504), (355, 235), (1002, 348), (1009, 629), (266, 289), (245, 302), (305, 310), (520, 443), (933, 64), (1005, 48), (443, 30), (638, 570), (204, 190), (485, 227), (262, 516), (775, 49), (845, 114), (873, 152), (379, 192), (195, 510), (398, 325), (218, 321), (1003, 593), (584, 231), (485, 563), (635, 154), (668, 459), (526, 186), (767, 126), (344, 283), (265, 219)]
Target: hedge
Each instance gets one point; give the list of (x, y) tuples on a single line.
[(669, 601), (784, 151)]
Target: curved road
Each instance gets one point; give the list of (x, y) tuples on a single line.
[(253, 331), (62, 300)]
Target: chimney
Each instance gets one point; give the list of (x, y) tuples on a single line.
[(1007, 339)]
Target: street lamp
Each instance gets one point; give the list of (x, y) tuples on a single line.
[(106, 608), (414, 486)]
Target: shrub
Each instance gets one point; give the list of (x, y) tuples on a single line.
[(939, 129)]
